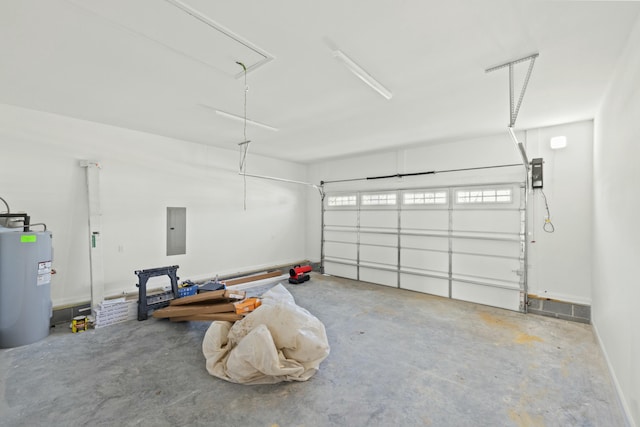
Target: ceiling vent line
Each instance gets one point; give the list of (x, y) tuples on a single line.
[(267, 57), (362, 74)]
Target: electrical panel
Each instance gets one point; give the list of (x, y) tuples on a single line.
[(536, 173), (176, 231)]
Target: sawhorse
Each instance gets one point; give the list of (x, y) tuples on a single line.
[(145, 303)]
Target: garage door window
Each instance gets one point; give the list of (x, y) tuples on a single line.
[(379, 199), (425, 198), (492, 195), (348, 200)]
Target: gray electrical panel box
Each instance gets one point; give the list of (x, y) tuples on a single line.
[(25, 286), (536, 173), (176, 231)]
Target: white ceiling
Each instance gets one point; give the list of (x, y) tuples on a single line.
[(150, 66)]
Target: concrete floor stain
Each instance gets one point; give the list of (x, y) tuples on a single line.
[(523, 338), (520, 337), (524, 419)]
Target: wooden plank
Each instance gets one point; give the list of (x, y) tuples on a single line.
[(187, 310), (221, 295), (229, 317), (253, 278)]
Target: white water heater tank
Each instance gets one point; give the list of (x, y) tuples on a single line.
[(25, 286)]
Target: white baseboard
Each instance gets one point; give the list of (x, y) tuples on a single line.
[(619, 393)]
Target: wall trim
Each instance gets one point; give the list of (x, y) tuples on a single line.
[(619, 393)]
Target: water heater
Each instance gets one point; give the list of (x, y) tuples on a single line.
[(25, 286)]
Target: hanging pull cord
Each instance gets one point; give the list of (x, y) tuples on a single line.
[(548, 225), (244, 145)]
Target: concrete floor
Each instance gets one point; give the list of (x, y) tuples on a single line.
[(398, 358)]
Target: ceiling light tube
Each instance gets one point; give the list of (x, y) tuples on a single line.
[(241, 119), (362, 74)]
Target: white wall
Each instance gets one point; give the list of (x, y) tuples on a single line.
[(616, 248), (141, 175), (559, 263)]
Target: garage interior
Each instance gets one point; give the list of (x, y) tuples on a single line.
[(459, 175)]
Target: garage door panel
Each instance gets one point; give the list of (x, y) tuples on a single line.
[(486, 266), (425, 219), (341, 218), (379, 219), (341, 250), (341, 236), (341, 270), (425, 242), (424, 260), (486, 221), (379, 254), (379, 276), (486, 247), (427, 285), (495, 297), (379, 239)]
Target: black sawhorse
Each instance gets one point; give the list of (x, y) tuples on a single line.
[(146, 303)]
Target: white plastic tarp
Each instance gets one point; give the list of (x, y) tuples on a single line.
[(279, 341)]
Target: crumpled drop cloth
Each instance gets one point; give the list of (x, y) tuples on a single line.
[(279, 341)]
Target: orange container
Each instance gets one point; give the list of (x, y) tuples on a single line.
[(247, 305)]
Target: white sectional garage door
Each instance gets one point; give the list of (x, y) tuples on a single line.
[(463, 242)]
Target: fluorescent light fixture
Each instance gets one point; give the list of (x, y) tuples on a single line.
[(362, 74), (240, 118), (558, 142)]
